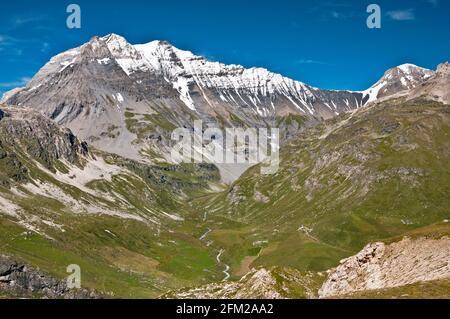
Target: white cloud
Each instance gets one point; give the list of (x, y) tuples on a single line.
[(309, 61), (3, 40), (20, 82), (433, 2), (402, 15), (342, 15), (19, 21), (7, 40)]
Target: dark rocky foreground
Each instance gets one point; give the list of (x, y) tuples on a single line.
[(19, 280)]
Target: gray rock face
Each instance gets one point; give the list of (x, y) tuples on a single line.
[(108, 92), (444, 69), (380, 266), (399, 79), (437, 87), (26, 135), (19, 280), (39, 137)]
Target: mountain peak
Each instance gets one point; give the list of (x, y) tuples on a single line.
[(113, 37), (117, 44), (397, 79), (443, 68), (407, 67)]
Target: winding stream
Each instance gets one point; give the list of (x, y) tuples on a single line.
[(227, 268), (221, 251)]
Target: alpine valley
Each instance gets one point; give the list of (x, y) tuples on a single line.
[(359, 207)]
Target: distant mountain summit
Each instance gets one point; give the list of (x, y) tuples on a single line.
[(401, 78)]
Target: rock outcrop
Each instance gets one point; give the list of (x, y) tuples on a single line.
[(380, 266), (17, 279), (436, 87), (399, 79), (262, 283), (39, 136)]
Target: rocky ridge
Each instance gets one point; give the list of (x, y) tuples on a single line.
[(437, 87), (17, 279), (262, 283), (381, 266)]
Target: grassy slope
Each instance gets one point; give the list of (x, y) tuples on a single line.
[(350, 181), (377, 174), (119, 257)]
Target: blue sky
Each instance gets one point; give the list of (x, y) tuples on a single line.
[(323, 43)]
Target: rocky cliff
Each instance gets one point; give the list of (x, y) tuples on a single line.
[(381, 266), (18, 279)]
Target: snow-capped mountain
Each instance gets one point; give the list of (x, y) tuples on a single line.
[(196, 80), (126, 99), (255, 88), (401, 78)]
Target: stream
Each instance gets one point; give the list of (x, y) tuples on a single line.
[(227, 268), (219, 261)]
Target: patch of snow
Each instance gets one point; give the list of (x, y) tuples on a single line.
[(66, 64), (373, 91), (104, 61), (182, 86), (407, 68), (34, 88)]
